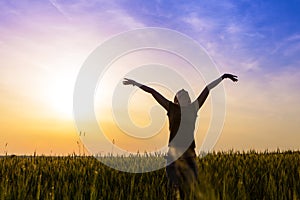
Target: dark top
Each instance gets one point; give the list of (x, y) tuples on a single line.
[(182, 125), (181, 120)]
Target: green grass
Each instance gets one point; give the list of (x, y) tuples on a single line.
[(230, 175)]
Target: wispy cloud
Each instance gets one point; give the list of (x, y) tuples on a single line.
[(101, 14), (59, 8), (293, 37), (200, 23)]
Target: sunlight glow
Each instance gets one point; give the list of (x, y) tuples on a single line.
[(61, 95)]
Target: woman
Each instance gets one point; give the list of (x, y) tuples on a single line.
[(182, 113)]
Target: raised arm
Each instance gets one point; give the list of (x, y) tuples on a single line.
[(204, 94), (157, 96)]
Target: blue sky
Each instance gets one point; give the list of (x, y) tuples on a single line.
[(261, 33), (44, 43)]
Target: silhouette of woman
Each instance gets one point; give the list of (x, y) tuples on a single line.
[(182, 113)]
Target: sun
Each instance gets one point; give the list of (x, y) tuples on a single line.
[(60, 96)]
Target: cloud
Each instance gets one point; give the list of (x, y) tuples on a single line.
[(292, 49), (293, 37), (288, 41), (59, 9), (251, 65), (199, 24), (100, 14), (233, 29)]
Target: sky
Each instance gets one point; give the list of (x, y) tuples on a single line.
[(43, 45)]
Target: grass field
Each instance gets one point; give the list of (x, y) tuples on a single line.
[(231, 175)]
